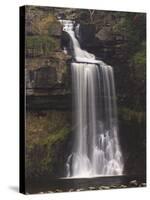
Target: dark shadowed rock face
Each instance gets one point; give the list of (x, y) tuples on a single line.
[(105, 34), (132, 138), (102, 41), (44, 77), (86, 33)]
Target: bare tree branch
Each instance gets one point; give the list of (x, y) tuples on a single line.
[(91, 12)]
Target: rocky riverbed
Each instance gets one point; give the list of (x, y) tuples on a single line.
[(84, 184), (132, 184)]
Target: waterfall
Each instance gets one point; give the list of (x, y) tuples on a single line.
[(96, 150)]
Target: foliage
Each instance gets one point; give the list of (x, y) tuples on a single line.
[(54, 28), (40, 45), (38, 20), (44, 23), (140, 56), (133, 27), (45, 132), (127, 114)]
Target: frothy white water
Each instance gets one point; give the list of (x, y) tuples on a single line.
[(96, 145)]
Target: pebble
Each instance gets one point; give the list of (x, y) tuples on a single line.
[(58, 190), (123, 186), (91, 188), (80, 189), (142, 185), (27, 193), (133, 183), (71, 190), (113, 186), (105, 187)]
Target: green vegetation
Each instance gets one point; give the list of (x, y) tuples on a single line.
[(45, 133), (43, 41), (132, 67), (39, 24), (40, 45), (45, 23), (54, 28), (38, 20), (140, 57), (139, 61), (127, 114)]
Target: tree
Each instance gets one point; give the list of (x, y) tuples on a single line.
[(91, 12)]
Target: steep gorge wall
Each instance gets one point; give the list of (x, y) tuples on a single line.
[(116, 38), (48, 117), (46, 64)]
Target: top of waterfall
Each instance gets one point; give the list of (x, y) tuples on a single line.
[(80, 55), (67, 24)]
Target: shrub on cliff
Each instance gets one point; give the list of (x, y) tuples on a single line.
[(46, 136), (40, 45)]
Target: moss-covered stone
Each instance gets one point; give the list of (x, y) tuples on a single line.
[(40, 45), (43, 48)]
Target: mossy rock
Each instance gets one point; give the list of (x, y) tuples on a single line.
[(55, 29), (38, 21), (131, 115), (46, 136), (40, 45)]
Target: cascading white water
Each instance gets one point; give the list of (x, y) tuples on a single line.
[(96, 150)]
